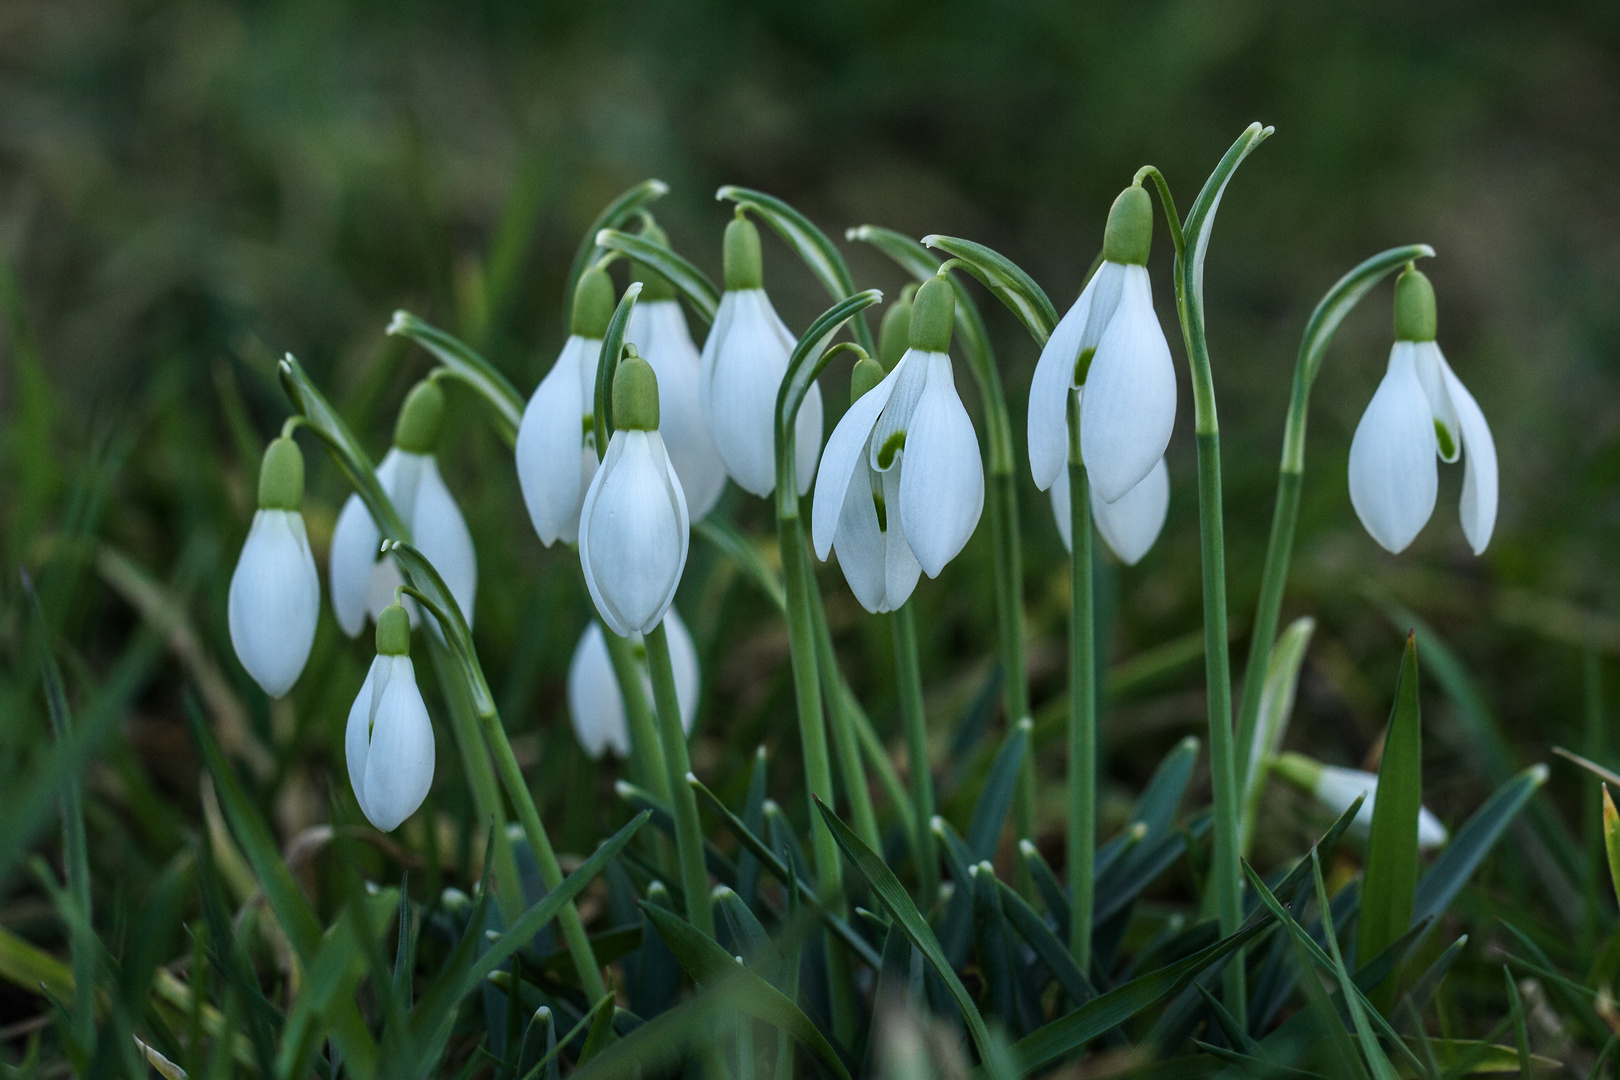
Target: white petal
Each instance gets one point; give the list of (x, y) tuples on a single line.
[(595, 704), (744, 361), (900, 567), (942, 487), (633, 533), (1059, 492), (1338, 787), (441, 535), (1129, 525), (844, 460), (355, 544), (275, 600), (1431, 834), (910, 377), (1479, 493), (399, 761), (1129, 407), (860, 543), (1080, 328), (807, 429), (658, 330), (683, 660), (1393, 477), (1430, 364), (551, 470), (357, 733)]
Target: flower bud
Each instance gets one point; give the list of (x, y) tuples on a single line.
[(741, 257), (933, 313), (275, 594), (1129, 234), (866, 376)]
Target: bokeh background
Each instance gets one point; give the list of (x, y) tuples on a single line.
[(190, 188)]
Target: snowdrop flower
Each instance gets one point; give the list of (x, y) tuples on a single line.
[(556, 439), (1420, 411), (658, 329), (901, 484), (389, 740), (1110, 343), (741, 369), (362, 581), (1130, 524), (275, 597), (595, 704), (633, 529), (1336, 788)]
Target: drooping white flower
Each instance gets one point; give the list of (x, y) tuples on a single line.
[(658, 329), (363, 581), (275, 595), (595, 703), (741, 369), (1129, 525), (634, 529), (1420, 411), (1110, 343), (901, 485), (389, 739), (1336, 787), (556, 440)]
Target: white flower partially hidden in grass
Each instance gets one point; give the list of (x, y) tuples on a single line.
[(595, 704), (741, 369), (901, 485), (275, 596), (556, 440), (1336, 787), (1129, 525), (389, 739), (363, 581), (1420, 411), (1111, 345), (634, 529)]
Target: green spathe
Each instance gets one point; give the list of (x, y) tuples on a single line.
[(933, 313), (281, 476), (654, 286), (1415, 315), (743, 268), (895, 335), (635, 395), (593, 305), (867, 374), (420, 419), (1129, 235), (393, 632)]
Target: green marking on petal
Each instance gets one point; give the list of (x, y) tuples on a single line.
[(1082, 365), (1448, 445), (891, 446), (882, 512)]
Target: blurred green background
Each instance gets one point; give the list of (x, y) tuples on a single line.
[(189, 189)]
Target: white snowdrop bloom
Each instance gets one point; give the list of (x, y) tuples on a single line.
[(275, 596), (658, 330), (634, 529), (1130, 524), (1336, 787), (1420, 411), (1110, 343), (362, 580), (595, 704), (901, 485), (556, 439), (389, 738), (741, 369)]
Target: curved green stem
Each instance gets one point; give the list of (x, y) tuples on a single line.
[(1082, 702), (688, 831), (846, 739), (909, 677), (646, 751)]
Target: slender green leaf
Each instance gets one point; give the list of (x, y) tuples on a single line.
[(807, 241), (1340, 300), (1382, 1067), (608, 364), (1521, 1036), (995, 799), (1200, 221), (1611, 838), (894, 898), (708, 964), (1390, 880), (464, 363), (1473, 842), (1276, 708), (1052, 952), (613, 215), (1006, 281), (693, 283)]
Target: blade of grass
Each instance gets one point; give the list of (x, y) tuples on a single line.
[(1390, 880)]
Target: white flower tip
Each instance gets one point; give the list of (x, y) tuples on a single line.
[(1539, 773), (399, 322), (624, 789), (1027, 847), (691, 778), (930, 240)]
